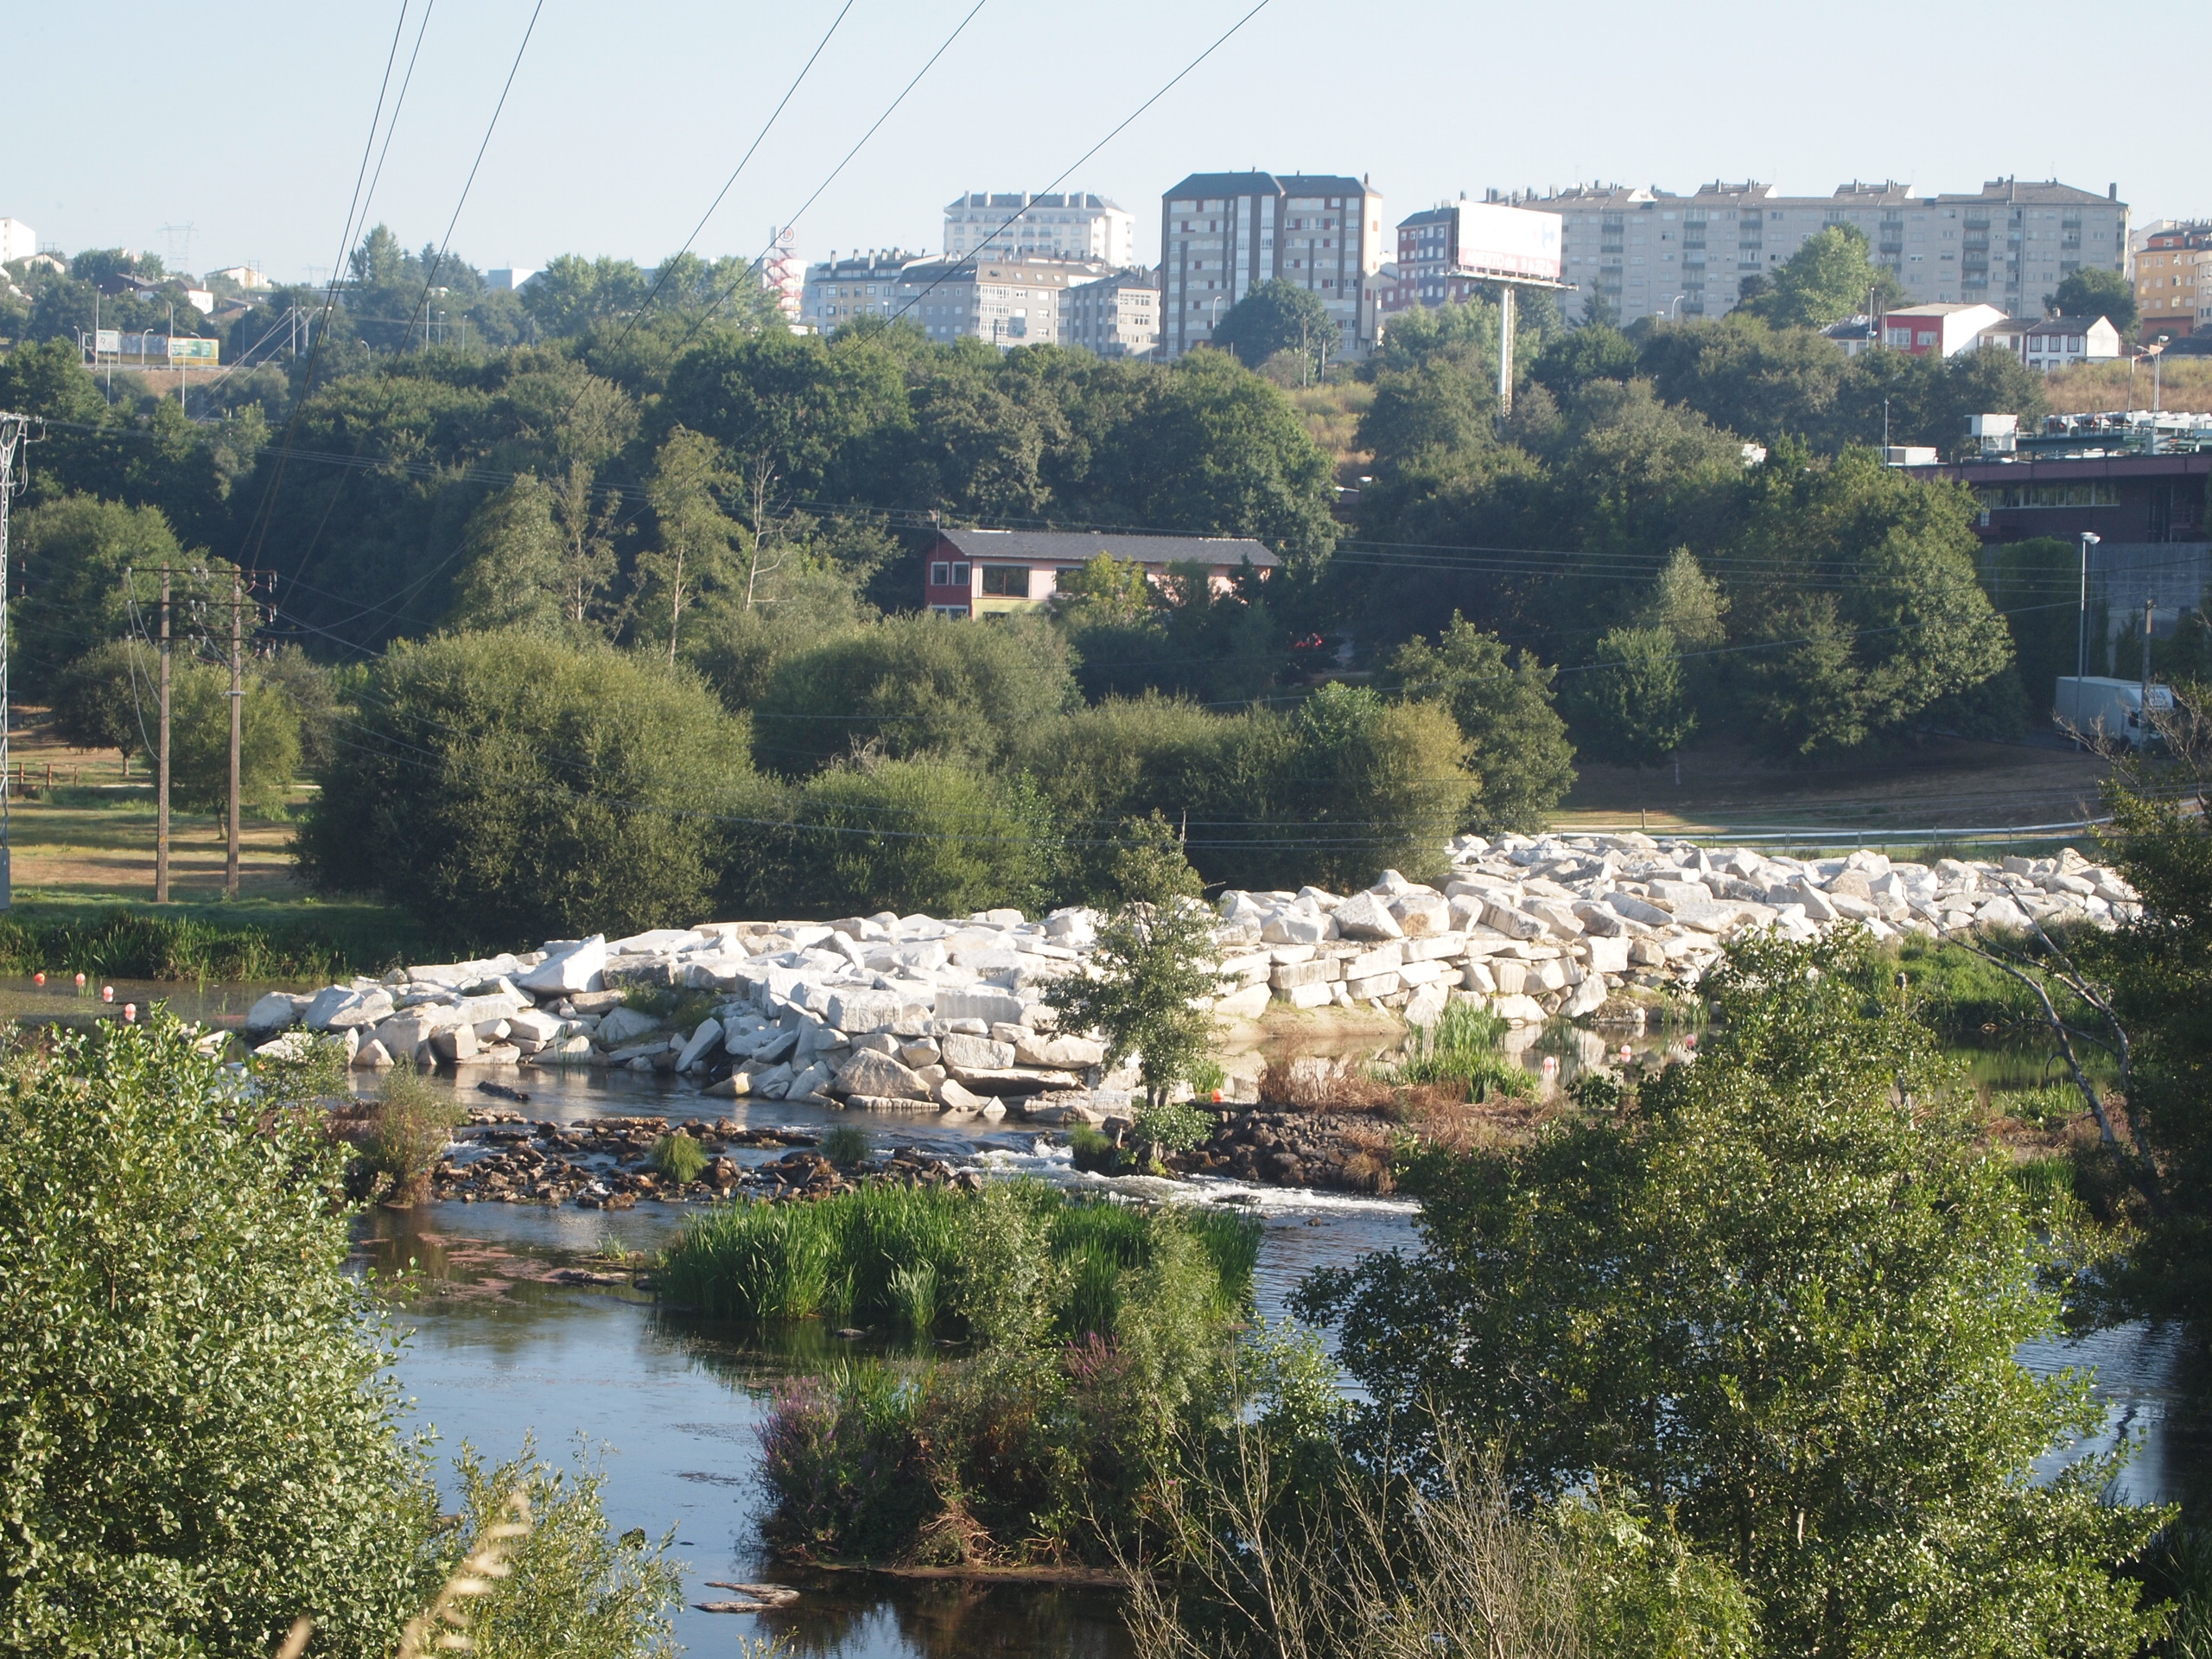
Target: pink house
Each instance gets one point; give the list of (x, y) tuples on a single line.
[(995, 572)]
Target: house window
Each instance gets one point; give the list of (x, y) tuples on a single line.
[(949, 610), (959, 575), (1006, 580)]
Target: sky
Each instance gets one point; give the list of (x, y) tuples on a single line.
[(624, 121)]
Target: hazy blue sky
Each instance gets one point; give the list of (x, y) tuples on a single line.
[(624, 119)]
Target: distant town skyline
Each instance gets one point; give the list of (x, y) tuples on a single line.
[(617, 135)]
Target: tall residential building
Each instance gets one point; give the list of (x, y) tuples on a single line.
[(2173, 281), (837, 290), (18, 241), (1222, 234), (1009, 303), (1116, 316), (1071, 224), (1652, 253)]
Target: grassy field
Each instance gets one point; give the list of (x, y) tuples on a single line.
[(1942, 785), (2185, 384)]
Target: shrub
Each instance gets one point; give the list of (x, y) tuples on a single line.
[(400, 1135), (201, 1428), (536, 789), (106, 699), (200, 739), (915, 836), (847, 1144), (1171, 1126), (678, 1156)]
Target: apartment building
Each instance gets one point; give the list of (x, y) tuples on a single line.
[(2173, 280), (1009, 302), (18, 241), (1117, 316), (1448, 253), (1067, 225), (1222, 234), (1650, 253), (861, 285)]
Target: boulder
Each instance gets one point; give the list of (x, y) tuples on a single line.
[(867, 1073), (1248, 1004), (954, 1096), (1638, 909), (1608, 955), (372, 1055), (1512, 923), (2001, 912), (454, 1044), (534, 1025), (710, 1032), (1364, 916), (273, 1012), (626, 1026), (979, 1003), (1297, 927), (407, 1036), (1519, 1010), (964, 1053), (340, 1006), (1427, 1005), (1065, 1052), (569, 965), (1419, 914)]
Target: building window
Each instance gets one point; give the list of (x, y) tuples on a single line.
[(959, 575), (940, 575), (954, 611), (1006, 580)]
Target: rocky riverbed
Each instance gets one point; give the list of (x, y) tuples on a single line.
[(953, 1019)]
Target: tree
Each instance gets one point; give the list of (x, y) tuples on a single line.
[(1277, 316), (105, 698), (70, 557), (508, 786), (1516, 742), (1152, 971), (1375, 784), (2092, 291), (1780, 1297), (1596, 351), (689, 474), (514, 576), (924, 835), (1831, 277), (1435, 405), (200, 739), (1104, 589), (1630, 703), (201, 1432)]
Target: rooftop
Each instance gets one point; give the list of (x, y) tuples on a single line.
[(1073, 546)]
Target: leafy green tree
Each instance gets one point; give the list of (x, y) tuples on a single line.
[(1687, 602), (2092, 292), (922, 835), (1831, 277), (105, 699), (1436, 405), (1152, 971), (1630, 703), (200, 739), (911, 686), (1739, 373), (692, 558), (1277, 316), (1517, 746), (1597, 350), (513, 576), (739, 648), (1782, 1299), (70, 556), (1464, 333), (1378, 785), (507, 786), (1104, 589), (202, 1434)]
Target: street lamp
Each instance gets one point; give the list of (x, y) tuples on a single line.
[(1675, 308), (2089, 538)]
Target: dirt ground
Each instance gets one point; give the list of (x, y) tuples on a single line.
[(1944, 785), (93, 833)]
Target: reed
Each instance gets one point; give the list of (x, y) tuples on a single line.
[(1462, 1050)]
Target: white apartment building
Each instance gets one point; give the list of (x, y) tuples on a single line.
[(1116, 316), (1070, 225), (18, 241), (1653, 253), (865, 285), (1009, 302), (1222, 234)]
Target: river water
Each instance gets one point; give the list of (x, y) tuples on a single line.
[(495, 1350)]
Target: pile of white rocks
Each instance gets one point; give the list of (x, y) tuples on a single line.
[(1535, 928), (913, 1014)]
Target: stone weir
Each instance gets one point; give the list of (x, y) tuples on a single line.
[(916, 1015)]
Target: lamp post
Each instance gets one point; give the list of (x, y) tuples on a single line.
[(1675, 308), (2089, 538)]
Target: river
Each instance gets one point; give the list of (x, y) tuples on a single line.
[(495, 1349)]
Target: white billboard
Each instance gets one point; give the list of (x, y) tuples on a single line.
[(1512, 241)]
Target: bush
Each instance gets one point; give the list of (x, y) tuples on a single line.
[(200, 739), (125, 943), (522, 789), (106, 699), (1516, 742), (401, 1135), (201, 1437), (847, 1144), (913, 686), (913, 835), (678, 1156)]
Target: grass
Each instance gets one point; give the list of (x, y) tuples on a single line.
[(678, 1156), (1464, 1049), (251, 939), (925, 1259), (846, 1145)]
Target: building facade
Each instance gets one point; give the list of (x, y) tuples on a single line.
[(1938, 330), (18, 241), (862, 285), (1117, 316), (1007, 302), (1222, 234), (1070, 225), (2050, 343), (973, 573), (1446, 254), (1649, 252), (2173, 281)]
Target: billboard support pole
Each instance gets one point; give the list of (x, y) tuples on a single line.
[(1505, 347)]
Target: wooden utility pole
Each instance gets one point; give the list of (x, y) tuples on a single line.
[(13, 437), (161, 763), (237, 704)]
